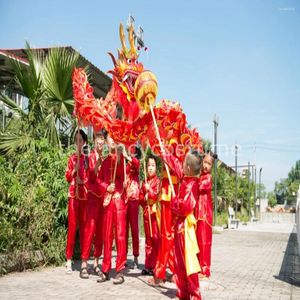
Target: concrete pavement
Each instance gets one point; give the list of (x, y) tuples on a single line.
[(245, 265)]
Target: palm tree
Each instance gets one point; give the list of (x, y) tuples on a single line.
[(47, 83)]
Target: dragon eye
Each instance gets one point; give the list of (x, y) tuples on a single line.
[(129, 60)]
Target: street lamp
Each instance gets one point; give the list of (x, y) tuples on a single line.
[(236, 179), (216, 123)]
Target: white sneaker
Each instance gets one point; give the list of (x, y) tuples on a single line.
[(68, 267)]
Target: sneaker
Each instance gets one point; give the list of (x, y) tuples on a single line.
[(68, 267)]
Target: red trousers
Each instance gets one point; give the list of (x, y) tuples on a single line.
[(132, 220), (151, 243), (166, 246), (93, 227), (76, 217), (187, 286), (114, 222), (204, 238)]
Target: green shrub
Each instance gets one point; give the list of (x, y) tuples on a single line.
[(222, 218), (33, 206)]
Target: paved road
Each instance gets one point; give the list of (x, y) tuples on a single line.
[(246, 265)]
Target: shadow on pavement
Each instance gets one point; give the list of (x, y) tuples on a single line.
[(166, 289), (290, 267)]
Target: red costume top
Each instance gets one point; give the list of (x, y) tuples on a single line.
[(93, 184), (184, 203), (185, 241), (153, 192), (203, 209), (78, 191), (132, 184), (107, 172)]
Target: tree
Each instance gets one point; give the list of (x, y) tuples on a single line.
[(207, 145), (281, 191), (286, 190), (272, 199), (47, 83)]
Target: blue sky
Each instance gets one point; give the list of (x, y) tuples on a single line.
[(237, 59)]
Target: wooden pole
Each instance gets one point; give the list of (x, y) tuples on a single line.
[(146, 196), (77, 163), (161, 148)]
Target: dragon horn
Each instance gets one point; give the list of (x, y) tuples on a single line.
[(112, 57), (131, 40), (122, 38)]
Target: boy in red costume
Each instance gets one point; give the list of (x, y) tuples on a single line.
[(148, 197), (204, 215), (76, 175), (114, 215), (93, 225), (185, 241), (132, 199), (166, 242)]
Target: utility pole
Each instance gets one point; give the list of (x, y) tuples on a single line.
[(216, 123), (255, 190), (236, 179), (259, 192), (249, 190)]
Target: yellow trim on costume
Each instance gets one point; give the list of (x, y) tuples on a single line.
[(173, 177), (166, 195), (157, 209), (191, 246), (151, 202)]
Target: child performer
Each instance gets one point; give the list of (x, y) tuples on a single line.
[(185, 241), (93, 225), (114, 214), (166, 242), (204, 215), (132, 199), (76, 175), (148, 197)]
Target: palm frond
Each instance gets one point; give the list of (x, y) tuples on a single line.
[(11, 143), (11, 104), (51, 133), (29, 77), (58, 69)]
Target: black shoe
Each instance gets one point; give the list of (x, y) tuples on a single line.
[(145, 272)]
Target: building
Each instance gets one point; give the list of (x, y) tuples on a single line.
[(98, 80)]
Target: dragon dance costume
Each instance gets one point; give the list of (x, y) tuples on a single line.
[(77, 201)]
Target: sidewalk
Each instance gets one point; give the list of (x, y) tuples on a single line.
[(245, 265)]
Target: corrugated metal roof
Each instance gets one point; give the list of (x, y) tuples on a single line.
[(98, 79)]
